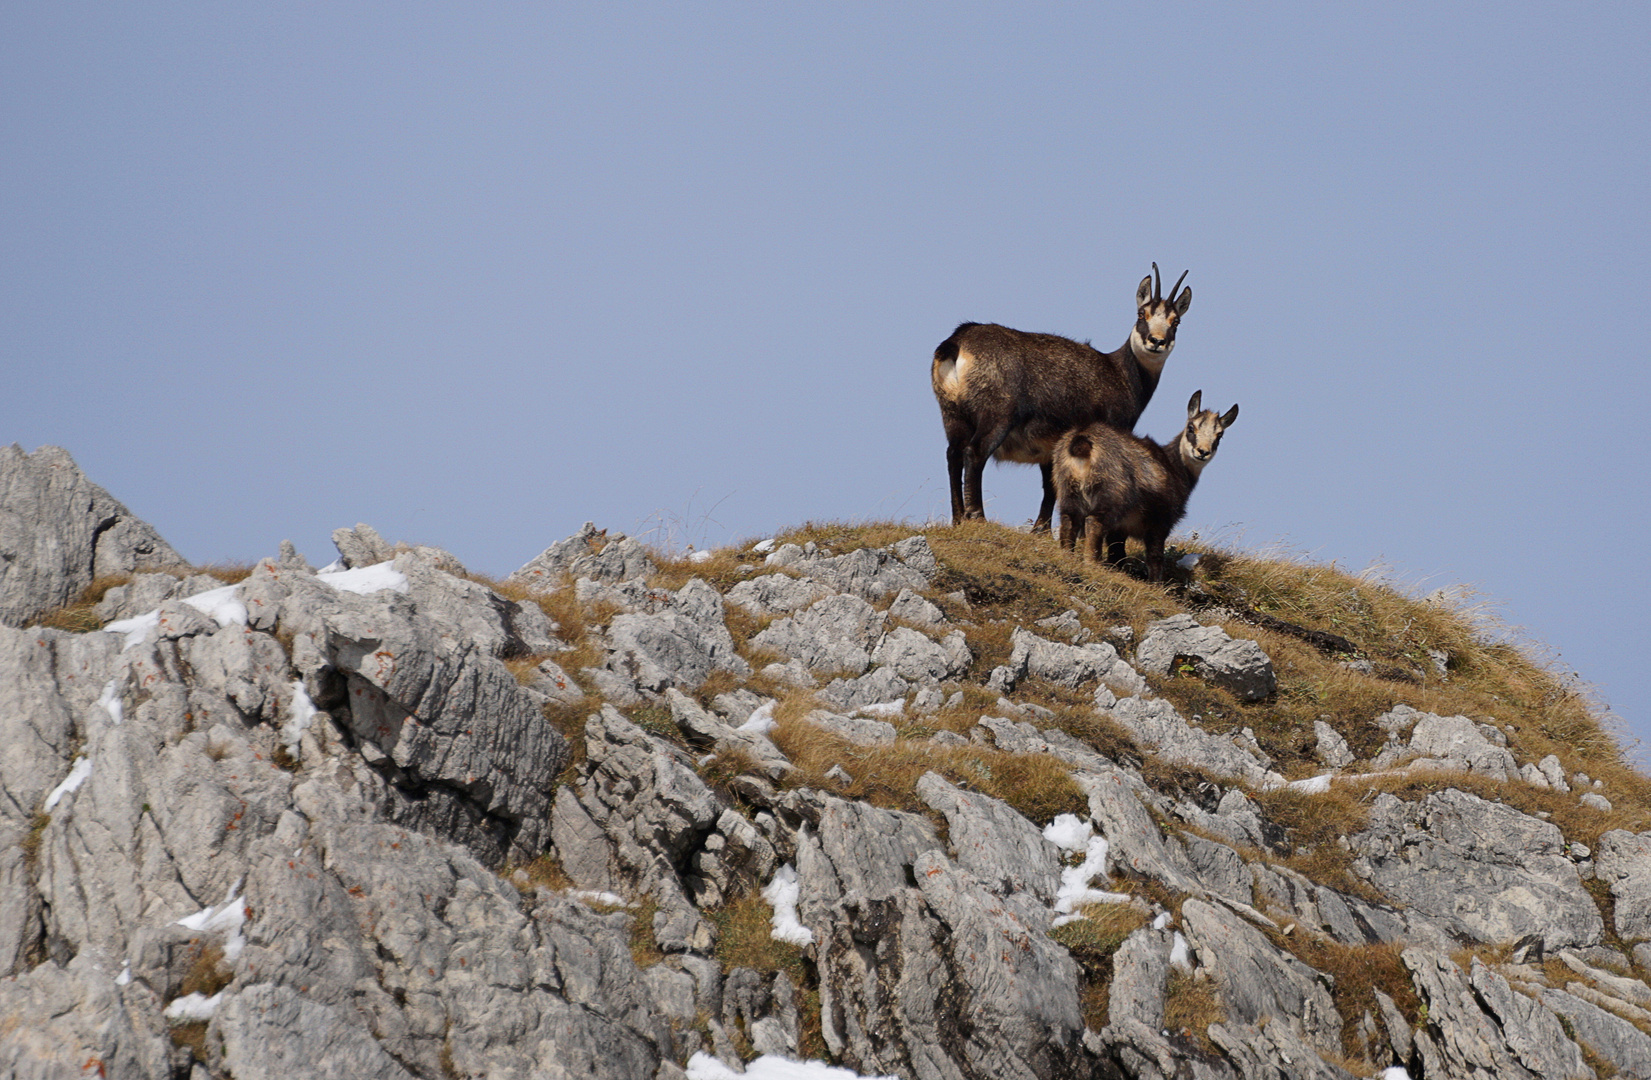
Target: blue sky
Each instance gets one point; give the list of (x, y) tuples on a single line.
[(476, 276)]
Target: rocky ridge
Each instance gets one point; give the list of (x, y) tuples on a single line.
[(382, 818)]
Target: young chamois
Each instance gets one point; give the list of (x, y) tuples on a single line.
[(1113, 482), (1010, 395)]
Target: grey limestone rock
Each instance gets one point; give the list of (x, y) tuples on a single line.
[(1069, 665), (680, 646), (1554, 773), (1472, 1026), (1623, 861), (62, 1021), (1067, 624), (545, 570), (640, 813), (1257, 979), (1140, 974), (856, 729), (912, 608), (707, 730), (362, 546), (624, 559), (466, 747), (1235, 663), (272, 1032), (1273, 1050), (869, 573), (1455, 743), (1483, 869), (877, 685), (916, 656), (1332, 749), (1135, 844), (1156, 726), (59, 532), (834, 634), (1597, 801), (777, 594), (1611, 1037), (1004, 852)]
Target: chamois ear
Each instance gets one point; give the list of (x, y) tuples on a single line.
[(1144, 293), (1228, 417), (1184, 301), (1080, 446), (1195, 403)]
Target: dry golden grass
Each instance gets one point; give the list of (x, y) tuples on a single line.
[(79, 615), (886, 774), (644, 949), (1358, 972), (544, 872), (1092, 941), (1191, 1005), (207, 973), (745, 939)]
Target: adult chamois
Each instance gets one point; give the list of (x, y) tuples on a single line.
[(1113, 482), (1008, 394)]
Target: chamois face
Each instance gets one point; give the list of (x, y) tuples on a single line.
[(1156, 318), (1203, 432)]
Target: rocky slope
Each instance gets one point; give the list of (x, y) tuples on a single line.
[(928, 806)]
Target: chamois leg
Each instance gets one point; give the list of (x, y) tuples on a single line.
[(1047, 510), (974, 502), (1115, 547), (957, 453), (1069, 530), (1155, 557), (1092, 533)]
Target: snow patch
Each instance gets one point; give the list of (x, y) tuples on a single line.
[(109, 701), (222, 605), (1075, 892), (78, 773), (606, 899), (703, 1066), (299, 716), (764, 547), (1313, 785), (366, 579), (699, 556), (193, 1007), (227, 917), (761, 721), (782, 894), (1178, 953), (1069, 832), (1394, 1072), (136, 628), (125, 975)]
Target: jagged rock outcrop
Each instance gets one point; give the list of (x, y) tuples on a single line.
[(1485, 870), (59, 532), (1235, 663), (306, 824)]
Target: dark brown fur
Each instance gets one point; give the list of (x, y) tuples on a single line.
[(1109, 481), (1011, 395)]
